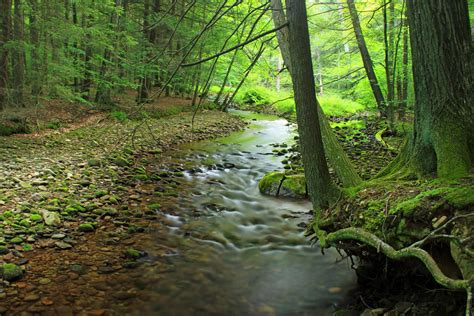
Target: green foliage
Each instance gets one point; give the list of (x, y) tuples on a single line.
[(119, 116), (54, 125)]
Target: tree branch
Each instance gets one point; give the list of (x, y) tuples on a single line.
[(236, 46)]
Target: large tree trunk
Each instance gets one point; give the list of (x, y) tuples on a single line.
[(320, 187), (368, 65), (442, 140), (5, 23), (335, 153)]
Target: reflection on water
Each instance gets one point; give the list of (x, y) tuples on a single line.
[(238, 252)]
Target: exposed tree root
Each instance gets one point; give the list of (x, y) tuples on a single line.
[(357, 234)]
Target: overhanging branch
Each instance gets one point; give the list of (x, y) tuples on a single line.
[(236, 46)]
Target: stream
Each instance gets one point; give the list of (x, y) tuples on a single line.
[(233, 251)]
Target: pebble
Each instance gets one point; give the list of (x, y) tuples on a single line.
[(47, 301), (44, 281), (31, 297), (58, 236), (63, 245)]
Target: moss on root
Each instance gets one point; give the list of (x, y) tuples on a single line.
[(404, 214)]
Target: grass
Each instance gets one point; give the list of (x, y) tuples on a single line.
[(333, 105)]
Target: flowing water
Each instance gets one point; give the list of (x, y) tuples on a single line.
[(234, 251)]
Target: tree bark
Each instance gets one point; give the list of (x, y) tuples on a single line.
[(367, 61), (5, 20), (18, 55), (336, 156), (403, 102), (442, 139), (320, 187)]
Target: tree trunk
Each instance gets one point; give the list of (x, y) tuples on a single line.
[(389, 36), (18, 55), (35, 64), (403, 104), (5, 20), (368, 65), (335, 154), (320, 187), (442, 140)]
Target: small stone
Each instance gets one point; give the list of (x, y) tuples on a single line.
[(47, 301), (31, 297), (16, 240), (154, 206), (44, 281), (36, 218), (63, 245), (86, 228), (133, 253), (4, 250), (94, 162), (58, 236)]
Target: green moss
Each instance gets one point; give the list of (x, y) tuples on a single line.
[(460, 197), (16, 240), (295, 184), (154, 206), (86, 228), (270, 182), (133, 254), (409, 206), (11, 272)]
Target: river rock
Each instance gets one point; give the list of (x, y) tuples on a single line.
[(50, 218), (11, 272)]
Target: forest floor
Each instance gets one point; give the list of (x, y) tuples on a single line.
[(74, 207)]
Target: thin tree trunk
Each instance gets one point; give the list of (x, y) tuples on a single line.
[(35, 49), (389, 36), (278, 76), (335, 154), (5, 20), (18, 55), (403, 105), (104, 91), (368, 65), (320, 71), (244, 78)]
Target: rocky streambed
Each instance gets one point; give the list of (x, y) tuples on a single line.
[(106, 220)]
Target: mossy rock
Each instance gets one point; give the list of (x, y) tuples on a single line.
[(134, 254), (154, 206), (86, 228), (122, 161), (11, 272), (279, 184)]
